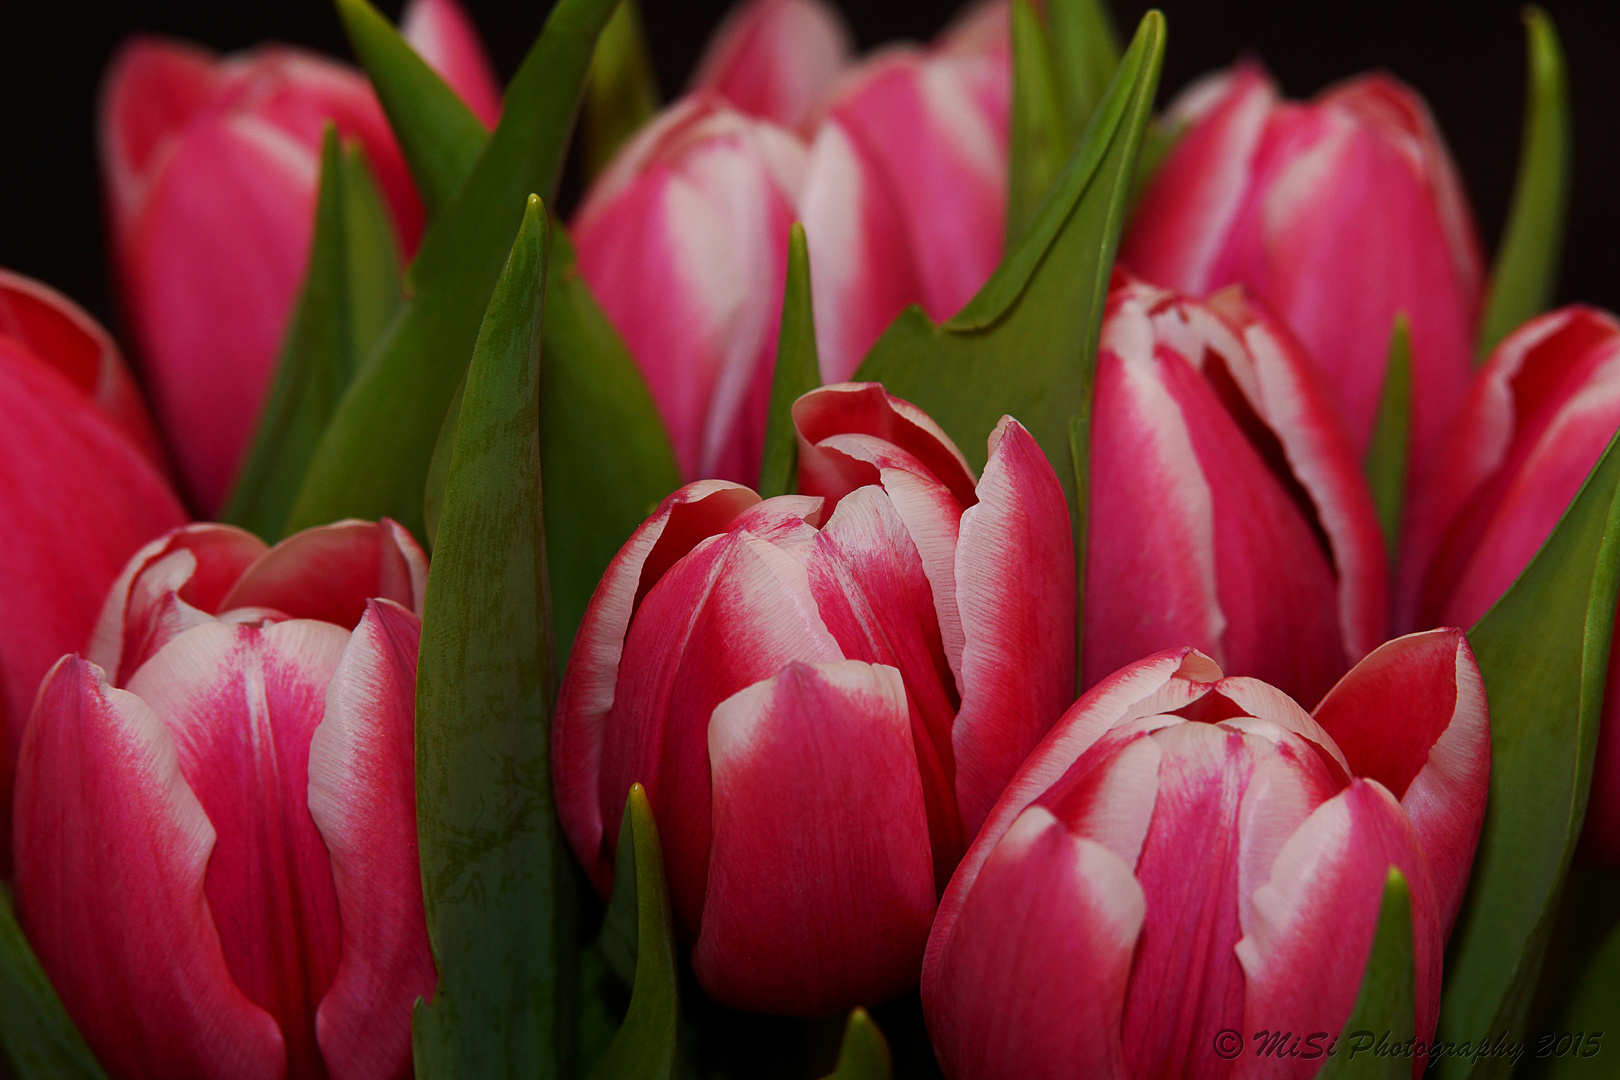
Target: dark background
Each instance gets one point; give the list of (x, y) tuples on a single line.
[(1466, 59)]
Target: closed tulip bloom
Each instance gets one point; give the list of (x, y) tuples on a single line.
[(210, 167), (1339, 212), (1228, 510), (79, 492), (1537, 419), (1187, 853), (823, 694), (441, 32), (215, 831), (776, 59)]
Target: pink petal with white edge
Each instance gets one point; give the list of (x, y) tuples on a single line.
[(441, 32), (1413, 716), (331, 571), (1031, 977), (688, 516), (1319, 912), (242, 704), (776, 59), (362, 796), (1265, 702), (172, 584), (112, 846), (868, 409), (820, 839), (1016, 593)]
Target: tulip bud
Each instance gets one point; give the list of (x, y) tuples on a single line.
[(783, 674), (1183, 846), (78, 492), (210, 167), (1340, 213), (1228, 510), (776, 59), (216, 828), (445, 37), (1537, 419)]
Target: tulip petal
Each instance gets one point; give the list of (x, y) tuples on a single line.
[(330, 572), (1265, 702), (805, 767), (242, 704), (362, 797), (1031, 977), (590, 680), (775, 59), (112, 846), (1413, 716), (1016, 593), (445, 37)]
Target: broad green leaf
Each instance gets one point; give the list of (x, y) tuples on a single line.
[(40, 1040), (1525, 274), (373, 458), (439, 136), (646, 1046), (1544, 651), (439, 465), (1594, 1013), (1386, 1004), (1386, 460), (498, 879), (1085, 48), (798, 371), (351, 290), (1041, 139), (622, 94), (864, 1054)]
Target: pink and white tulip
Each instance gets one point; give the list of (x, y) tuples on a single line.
[(776, 59), (1339, 212), (1183, 846), (1537, 419), (443, 35), (1228, 510), (822, 693), (215, 832)]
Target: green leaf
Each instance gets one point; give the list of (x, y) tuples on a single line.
[(440, 137), (351, 290), (1544, 651), (646, 1046), (1593, 1012), (1041, 138), (373, 458), (439, 465), (622, 94), (1525, 274), (498, 878), (1386, 460), (798, 371), (864, 1054), (40, 1040), (1086, 51), (1386, 1004)]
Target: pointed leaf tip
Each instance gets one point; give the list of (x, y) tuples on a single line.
[(864, 1054), (1386, 463), (1387, 1000), (798, 371)]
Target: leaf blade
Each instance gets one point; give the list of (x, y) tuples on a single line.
[(798, 371), (623, 93), (1385, 464), (1040, 139), (40, 1039), (1085, 47), (1386, 1003), (864, 1053)]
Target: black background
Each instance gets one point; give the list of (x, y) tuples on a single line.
[(1467, 59)]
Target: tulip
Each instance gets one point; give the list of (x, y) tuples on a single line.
[(1535, 422), (78, 492), (445, 37), (1340, 213), (776, 59), (822, 693), (211, 167), (215, 830), (1189, 852), (1228, 510)]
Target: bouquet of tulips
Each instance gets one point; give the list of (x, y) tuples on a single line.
[(933, 568)]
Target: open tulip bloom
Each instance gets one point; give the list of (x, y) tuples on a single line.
[(851, 586)]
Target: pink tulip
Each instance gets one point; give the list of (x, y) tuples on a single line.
[(822, 693), (216, 828), (78, 492), (445, 37), (1537, 419), (211, 167), (1228, 510), (776, 59), (1340, 213), (1187, 853)]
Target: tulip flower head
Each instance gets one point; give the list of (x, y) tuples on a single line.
[(216, 831), (776, 59), (822, 693), (1188, 853)]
